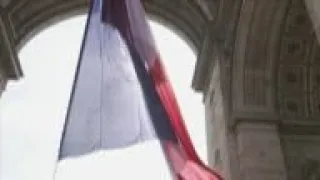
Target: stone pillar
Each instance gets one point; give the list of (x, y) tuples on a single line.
[(221, 139), (244, 143), (259, 150), (210, 78)]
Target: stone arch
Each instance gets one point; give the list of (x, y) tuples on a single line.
[(298, 67), (256, 46), (275, 79), (187, 18), (298, 89), (266, 33)]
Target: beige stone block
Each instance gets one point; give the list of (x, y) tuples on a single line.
[(260, 153)]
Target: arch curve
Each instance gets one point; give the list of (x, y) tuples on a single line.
[(187, 18)]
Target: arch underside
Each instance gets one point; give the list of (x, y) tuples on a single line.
[(270, 53), (275, 72), (276, 62), (27, 18)]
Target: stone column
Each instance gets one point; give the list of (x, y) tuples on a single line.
[(221, 139), (244, 144), (259, 150), (210, 78)]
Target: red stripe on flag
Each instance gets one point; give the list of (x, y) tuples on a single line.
[(193, 168)]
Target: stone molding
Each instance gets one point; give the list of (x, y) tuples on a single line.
[(302, 156), (9, 61), (218, 43), (298, 66)]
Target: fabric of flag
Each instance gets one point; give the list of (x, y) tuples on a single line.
[(121, 95)]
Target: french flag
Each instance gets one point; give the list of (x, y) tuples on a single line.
[(121, 95)]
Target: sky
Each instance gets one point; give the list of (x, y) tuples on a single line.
[(32, 111)]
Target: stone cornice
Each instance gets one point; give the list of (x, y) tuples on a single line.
[(300, 127), (261, 118), (287, 126), (218, 42), (8, 57), (204, 62)]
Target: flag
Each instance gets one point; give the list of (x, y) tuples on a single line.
[(121, 95)]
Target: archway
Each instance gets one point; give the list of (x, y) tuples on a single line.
[(46, 83)]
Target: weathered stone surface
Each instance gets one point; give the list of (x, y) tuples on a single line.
[(274, 79), (298, 65), (255, 52), (4, 3), (260, 153), (302, 156)]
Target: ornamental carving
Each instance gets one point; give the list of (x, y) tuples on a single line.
[(298, 65), (255, 52), (256, 63)]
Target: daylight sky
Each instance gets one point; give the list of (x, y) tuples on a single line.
[(32, 111)]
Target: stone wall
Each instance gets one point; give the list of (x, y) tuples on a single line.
[(302, 156), (260, 152), (264, 123)]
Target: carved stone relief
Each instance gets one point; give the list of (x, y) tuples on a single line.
[(297, 66), (256, 50), (256, 63)]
